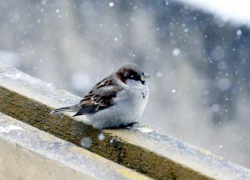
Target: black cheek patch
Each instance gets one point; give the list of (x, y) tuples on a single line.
[(138, 78)]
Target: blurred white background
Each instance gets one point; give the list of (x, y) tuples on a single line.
[(197, 52)]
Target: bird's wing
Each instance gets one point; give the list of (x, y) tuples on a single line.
[(100, 97)]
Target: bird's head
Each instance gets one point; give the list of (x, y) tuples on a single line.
[(132, 74)]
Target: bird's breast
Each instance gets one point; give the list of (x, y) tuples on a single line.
[(136, 99)]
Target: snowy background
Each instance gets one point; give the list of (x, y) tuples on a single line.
[(197, 52)]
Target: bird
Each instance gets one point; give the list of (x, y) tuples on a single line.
[(116, 101)]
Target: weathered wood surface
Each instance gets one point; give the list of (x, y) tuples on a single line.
[(31, 154)]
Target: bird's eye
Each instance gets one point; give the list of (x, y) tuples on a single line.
[(132, 76)]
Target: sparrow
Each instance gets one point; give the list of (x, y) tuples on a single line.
[(118, 100)]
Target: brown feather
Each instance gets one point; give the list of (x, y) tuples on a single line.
[(100, 97)]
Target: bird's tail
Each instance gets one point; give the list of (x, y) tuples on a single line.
[(74, 108)]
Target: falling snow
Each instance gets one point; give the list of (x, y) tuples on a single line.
[(159, 74), (86, 142), (176, 52), (101, 137), (224, 84), (111, 4), (239, 32), (215, 108)]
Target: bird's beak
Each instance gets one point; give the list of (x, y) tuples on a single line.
[(144, 77)]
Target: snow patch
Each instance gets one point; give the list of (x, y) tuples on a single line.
[(145, 130), (10, 128)]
